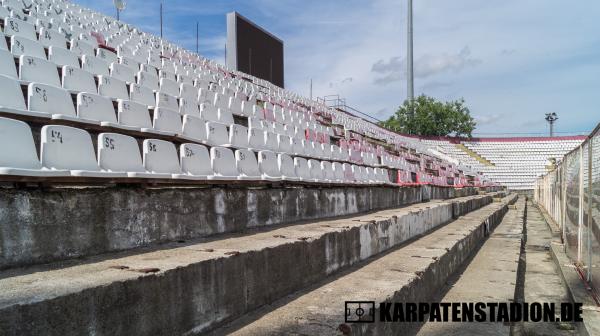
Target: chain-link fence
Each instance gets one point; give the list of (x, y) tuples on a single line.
[(571, 196)]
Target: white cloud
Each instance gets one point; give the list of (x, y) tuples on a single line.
[(425, 66)]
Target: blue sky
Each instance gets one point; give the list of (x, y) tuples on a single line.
[(512, 60)]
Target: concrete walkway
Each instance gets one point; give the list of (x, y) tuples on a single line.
[(542, 281), (491, 276)]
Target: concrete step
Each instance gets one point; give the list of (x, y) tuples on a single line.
[(491, 276), (194, 287), (50, 225), (411, 273)]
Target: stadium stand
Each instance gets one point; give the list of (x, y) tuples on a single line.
[(85, 75), (511, 162)]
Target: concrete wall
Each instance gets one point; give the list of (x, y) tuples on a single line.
[(208, 291), (39, 226)]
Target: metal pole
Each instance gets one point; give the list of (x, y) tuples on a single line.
[(161, 19), (311, 89), (118, 14), (551, 129), (196, 37), (590, 219), (409, 56)]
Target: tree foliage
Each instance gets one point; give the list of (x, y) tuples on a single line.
[(432, 117)]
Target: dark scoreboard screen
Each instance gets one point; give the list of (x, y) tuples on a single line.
[(253, 50)]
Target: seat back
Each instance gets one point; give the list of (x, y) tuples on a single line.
[(256, 138), (64, 147), (238, 136), (301, 168), (12, 96), (217, 134), (195, 160), (94, 107), (38, 70), (246, 163), (286, 167), (167, 120), (73, 78), (160, 157), (49, 99), (194, 128), (22, 152), (24, 46), (119, 153), (141, 94), (223, 162), (268, 164), (112, 87), (133, 114), (316, 172)]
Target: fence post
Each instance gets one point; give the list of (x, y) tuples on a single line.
[(590, 218), (580, 208), (563, 205)]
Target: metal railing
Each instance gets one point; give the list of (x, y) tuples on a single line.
[(571, 196)]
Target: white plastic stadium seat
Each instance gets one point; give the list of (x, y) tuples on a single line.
[(94, 65), (286, 167), (131, 116), (112, 87), (160, 158), (217, 134), (70, 148), (166, 101), (24, 46), (338, 172), (195, 162), (122, 72), (51, 37), (95, 108), (247, 165), (269, 166), (167, 121), (209, 112), (62, 57), (17, 27), (141, 94), (38, 70), (316, 172), (20, 157), (327, 171), (120, 153), (238, 136), (75, 79), (7, 64), (194, 129), (271, 142), (11, 99), (256, 139), (223, 164), (46, 100), (302, 170)]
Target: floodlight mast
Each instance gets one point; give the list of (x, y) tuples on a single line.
[(409, 55), (119, 5), (551, 118)]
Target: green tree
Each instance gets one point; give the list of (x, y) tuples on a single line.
[(432, 117)]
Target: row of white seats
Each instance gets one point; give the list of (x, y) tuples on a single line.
[(32, 69), (45, 101), (68, 151)]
